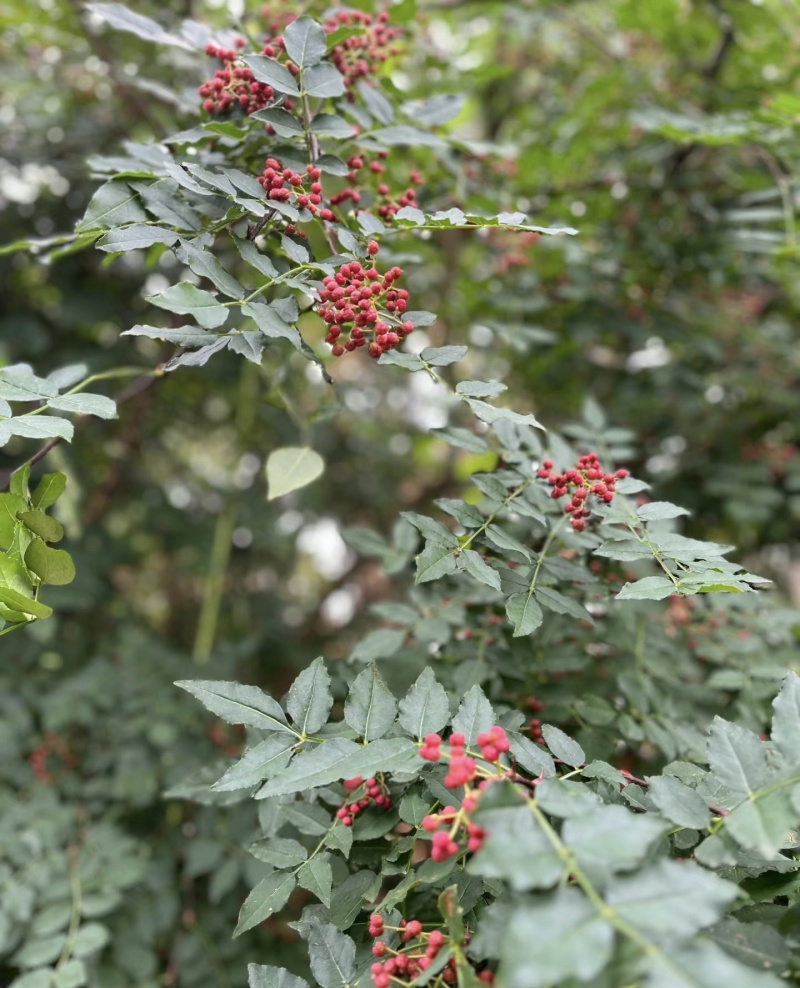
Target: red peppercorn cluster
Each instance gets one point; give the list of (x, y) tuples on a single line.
[(361, 55), (281, 184), (373, 793), (387, 203), (405, 965), (41, 758), (585, 479), (358, 301), (234, 85), (444, 844)]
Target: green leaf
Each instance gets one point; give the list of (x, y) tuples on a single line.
[(124, 19), (397, 358), (786, 719), (340, 759), (648, 588), (114, 204), (370, 708), (238, 704), (480, 389), (186, 299), (524, 613), (283, 122), (659, 511), (331, 125), (472, 562), (264, 976), (204, 264), (271, 323), (703, 965), (671, 898), (281, 852), (561, 604), (24, 605), (434, 562), (332, 954), (566, 798), (516, 850), (433, 530), (316, 876), (273, 73), (737, 756), (48, 490), (86, 404), (403, 134), (571, 940), (290, 468), (90, 938), (36, 427), (678, 802), (270, 895), (379, 644), (19, 481), (761, 824), (562, 746), (309, 699), (53, 566), (305, 42), (323, 81), (135, 237), (611, 838), (43, 525), (10, 506), (755, 944), (489, 414), (443, 356), (258, 763), (185, 336), (474, 715), (425, 709)]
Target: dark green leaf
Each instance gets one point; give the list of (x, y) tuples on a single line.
[(238, 704), (524, 613), (305, 42), (270, 895), (309, 699), (187, 299), (370, 708), (53, 566), (737, 756), (562, 746), (678, 802), (425, 709), (135, 237), (323, 81)]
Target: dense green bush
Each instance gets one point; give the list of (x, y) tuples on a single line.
[(545, 747)]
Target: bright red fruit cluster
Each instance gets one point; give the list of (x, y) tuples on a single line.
[(358, 301), (419, 951), (234, 85), (362, 54), (386, 204), (373, 793), (281, 184), (585, 479)]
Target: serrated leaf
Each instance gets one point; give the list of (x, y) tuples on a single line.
[(323, 81), (572, 940), (561, 604), (112, 205), (562, 746), (737, 757), (316, 876), (703, 965), (379, 644), (762, 824), (206, 265), (490, 414), (271, 323), (305, 42), (52, 566), (370, 708), (135, 237), (479, 568), (184, 336), (443, 356), (340, 759), (524, 613), (281, 852), (434, 562), (331, 125), (474, 715), (36, 427), (83, 403), (290, 468), (480, 389), (236, 703), (265, 976), (611, 838), (659, 511), (648, 588), (267, 70), (186, 299), (270, 895), (332, 954), (310, 699), (258, 763), (786, 719), (671, 898), (425, 709), (124, 19), (516, 850), (678, 802)]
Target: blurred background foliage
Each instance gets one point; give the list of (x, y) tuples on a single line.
[(666, 132)]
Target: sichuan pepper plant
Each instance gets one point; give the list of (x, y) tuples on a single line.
[(547, 766)]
